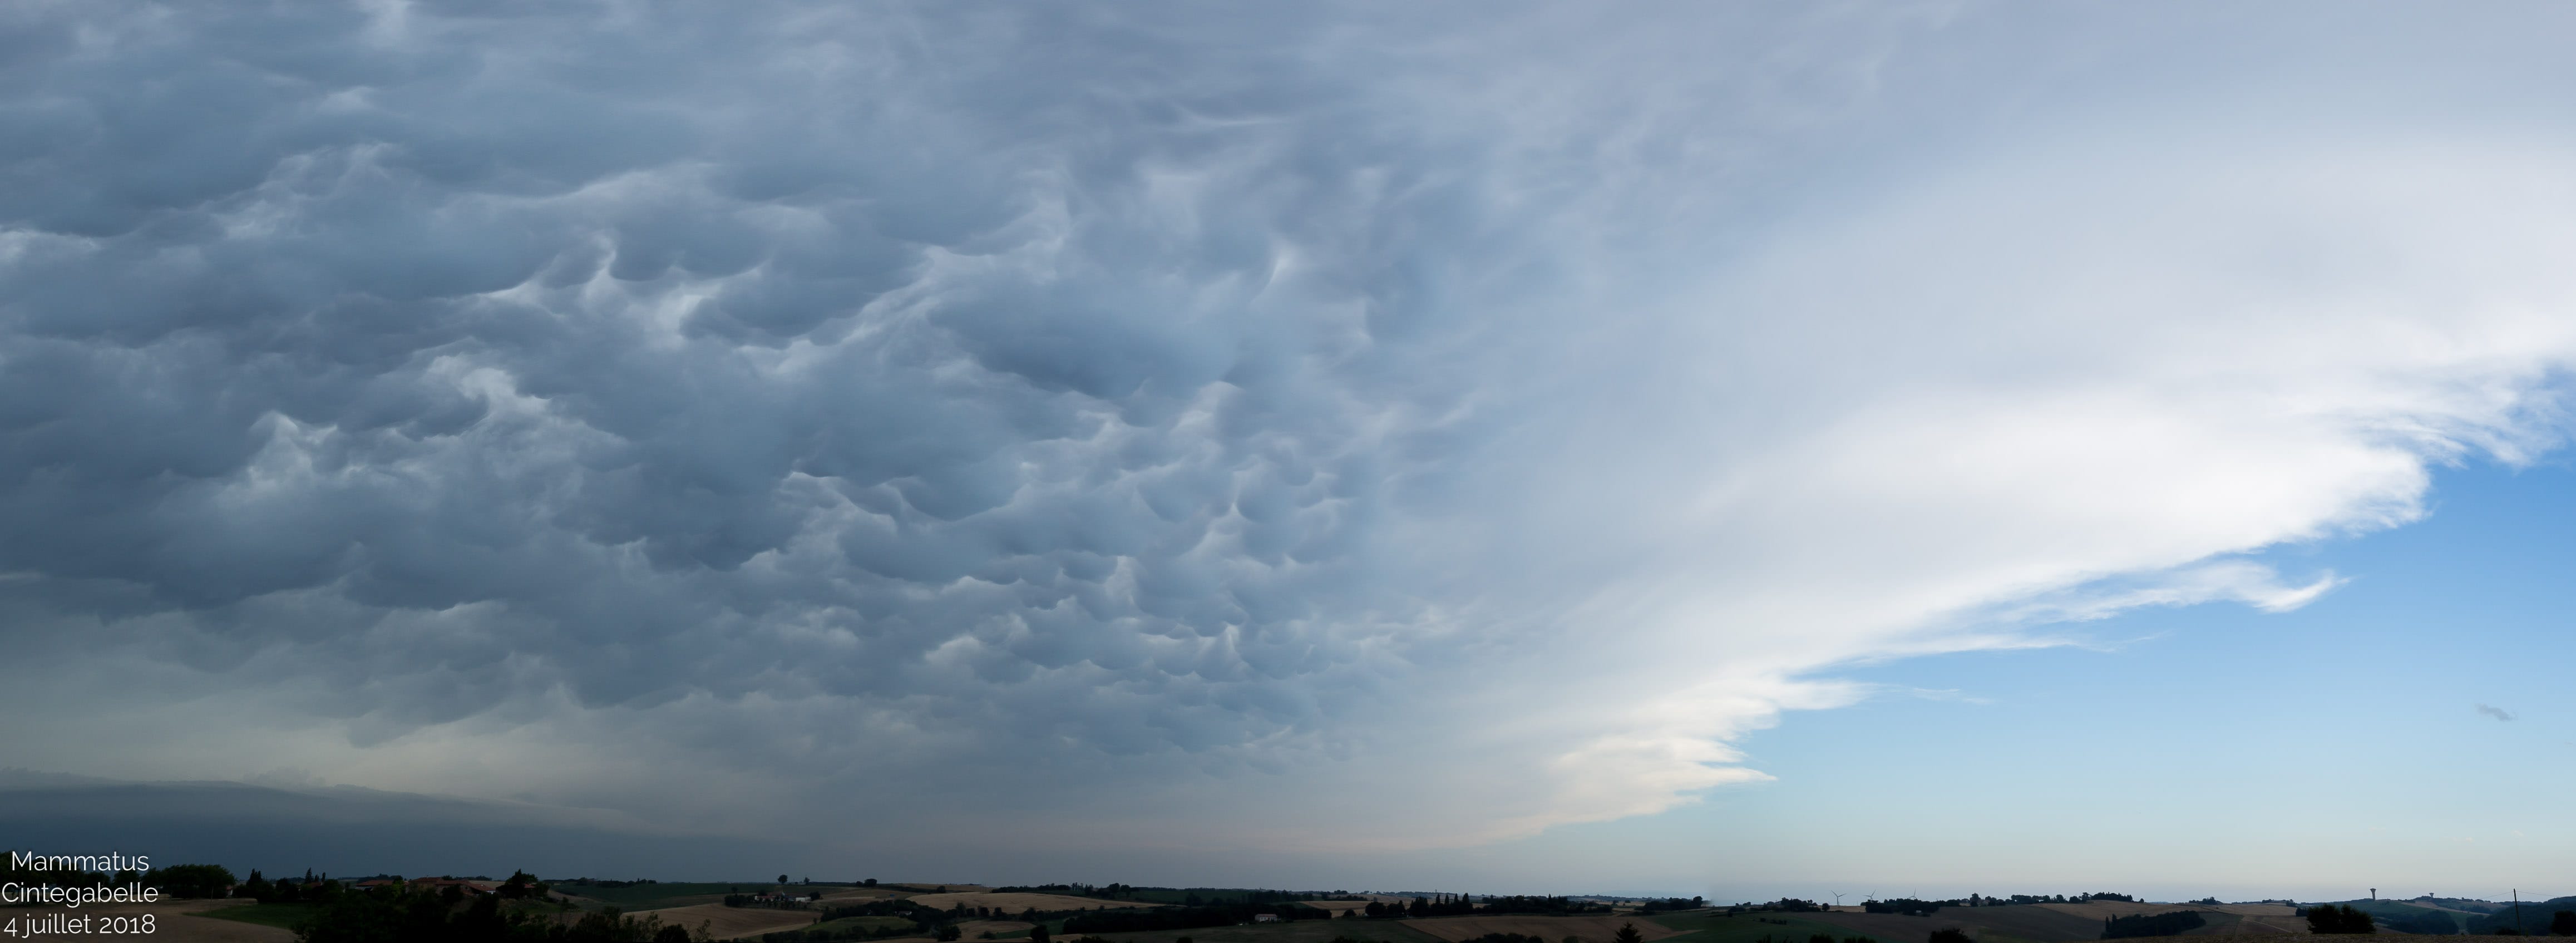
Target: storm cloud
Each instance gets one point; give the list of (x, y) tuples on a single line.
[(1146, 411)]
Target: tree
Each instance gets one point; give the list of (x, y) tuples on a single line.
[(782, 879), (192, 880), (1038, 934), (2563, 923), (1950, 935), (1628, 934), (2340, 918)]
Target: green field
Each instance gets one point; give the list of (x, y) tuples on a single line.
[(658, 896), (862, 923), (267, 915)]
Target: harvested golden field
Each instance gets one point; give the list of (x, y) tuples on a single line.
[(175, 920), (1336, 906), (859, 893), (1016, 902), (727, 923), (1293, 931), (1593, 928)]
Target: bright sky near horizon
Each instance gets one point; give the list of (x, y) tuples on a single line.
[(1678, 448)]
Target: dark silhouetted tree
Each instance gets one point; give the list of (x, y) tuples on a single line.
[(192, 880), (2339, 918), (1628, 934), (1950, 935)]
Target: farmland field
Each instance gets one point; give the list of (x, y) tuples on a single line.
[(1591, 928), (1336, 906), (1703, 926), (266, 915), (188, 921), (880, 924), (2254, 919), (1299, 931), (660, 896), (2095, 910), (731, 922), (1015, 902)]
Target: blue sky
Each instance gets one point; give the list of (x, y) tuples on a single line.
[(1658, 447), (2179, 731), (2184, 752)]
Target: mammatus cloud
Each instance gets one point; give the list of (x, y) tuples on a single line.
[(1424, 435), (2495, 712)]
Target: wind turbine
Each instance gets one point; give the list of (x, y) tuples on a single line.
[(1838, 898)]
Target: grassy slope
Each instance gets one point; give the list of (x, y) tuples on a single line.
[(266, 915)]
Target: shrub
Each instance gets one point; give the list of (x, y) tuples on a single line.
[(1950, 935), (191, 880)]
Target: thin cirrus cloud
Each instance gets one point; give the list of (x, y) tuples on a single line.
[(1156, 417)]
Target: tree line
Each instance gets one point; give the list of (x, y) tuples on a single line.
[(1672, 903), (398, 913), (184, 880), (1187, 896)]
